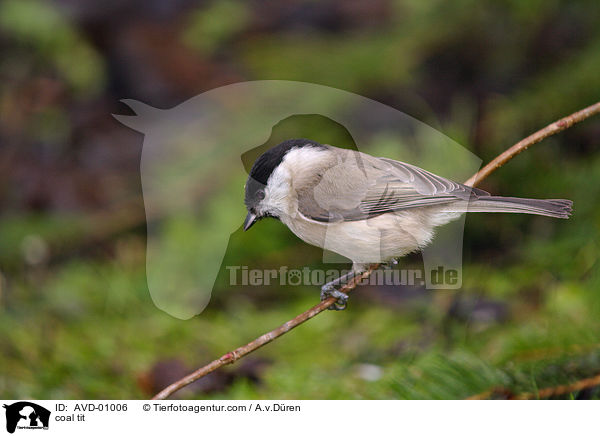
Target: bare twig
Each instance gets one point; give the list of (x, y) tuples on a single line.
[(553, 391), (484, 395), (524, 144), (240, 352)]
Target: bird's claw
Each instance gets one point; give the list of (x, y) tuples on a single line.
[(341, 297), (391, 263)]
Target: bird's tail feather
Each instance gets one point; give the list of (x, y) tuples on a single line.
[(551, 208)]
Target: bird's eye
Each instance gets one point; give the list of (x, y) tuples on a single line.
[(260, 195)]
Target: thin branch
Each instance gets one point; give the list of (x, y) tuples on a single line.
[(240, 352), (550, 392), (556, 391), (524, 144)]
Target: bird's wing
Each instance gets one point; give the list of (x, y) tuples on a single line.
[(360, 186)]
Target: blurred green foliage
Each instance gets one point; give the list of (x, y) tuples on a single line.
[(77, 319), (37, 24)]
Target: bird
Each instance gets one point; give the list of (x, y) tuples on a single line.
[(365, 208)]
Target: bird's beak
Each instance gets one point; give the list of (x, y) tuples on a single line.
[(249, 221)]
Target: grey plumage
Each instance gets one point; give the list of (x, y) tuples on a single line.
[(366, 208), (357, 186)]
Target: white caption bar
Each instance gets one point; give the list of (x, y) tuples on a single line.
[(264, 417)]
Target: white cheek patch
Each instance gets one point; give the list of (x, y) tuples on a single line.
[(280, 198), (277, 191)]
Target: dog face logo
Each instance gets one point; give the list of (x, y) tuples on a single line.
[(26, 415)]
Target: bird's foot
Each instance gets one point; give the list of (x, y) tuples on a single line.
[(341, 297), (391, 263)]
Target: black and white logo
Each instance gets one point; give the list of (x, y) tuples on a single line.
[(26, 415)]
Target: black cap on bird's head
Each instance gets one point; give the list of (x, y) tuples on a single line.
[(259, 176)]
